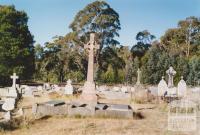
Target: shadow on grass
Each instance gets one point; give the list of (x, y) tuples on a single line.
[(10, 125), (138, 115)]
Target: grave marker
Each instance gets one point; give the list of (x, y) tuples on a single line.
[(171, 72), (89, 92)]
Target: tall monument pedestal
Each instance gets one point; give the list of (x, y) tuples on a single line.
[(89, 92)]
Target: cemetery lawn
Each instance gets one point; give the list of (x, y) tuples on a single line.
[(153, 123)]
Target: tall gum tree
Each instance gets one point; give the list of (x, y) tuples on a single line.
[(100, 18)]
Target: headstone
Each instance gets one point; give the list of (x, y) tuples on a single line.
[(124, 89), (69, 88), (138, 76), (9, 104), (13, 89), (182, 88), (162, 87), (171, 72), (47, 86), (14, 77), (89, 92)]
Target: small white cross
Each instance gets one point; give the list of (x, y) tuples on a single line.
[(14, 77)]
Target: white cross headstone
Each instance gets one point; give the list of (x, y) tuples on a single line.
[(182, 88), (162, 87), (14, 77), (13, 90)]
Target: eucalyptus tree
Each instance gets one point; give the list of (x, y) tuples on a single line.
[(100, 18), (144, 41), (184, 39)]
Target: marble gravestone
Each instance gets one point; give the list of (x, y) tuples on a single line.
[(69, 88), (162, 87), (13, 89), (8, 106), (182, 88), (89, 90)]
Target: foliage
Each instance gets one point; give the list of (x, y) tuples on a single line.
[(60, 61), (16, 45), (144, 41), (194, 74), (100, 18), (185, 38)]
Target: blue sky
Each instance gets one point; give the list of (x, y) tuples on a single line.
[(48, 18)]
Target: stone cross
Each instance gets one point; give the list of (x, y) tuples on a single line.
[(91, 46), (138, 76), (89, 90), (171, 72), (14, 77)]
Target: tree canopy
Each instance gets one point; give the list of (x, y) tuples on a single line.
[(16, 44), (100, 18)]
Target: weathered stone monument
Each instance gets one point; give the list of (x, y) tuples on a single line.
[(182, 88), (162, 87), (172, 91), (69, 88), (171, 73), (138, 77), (89, 92)]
